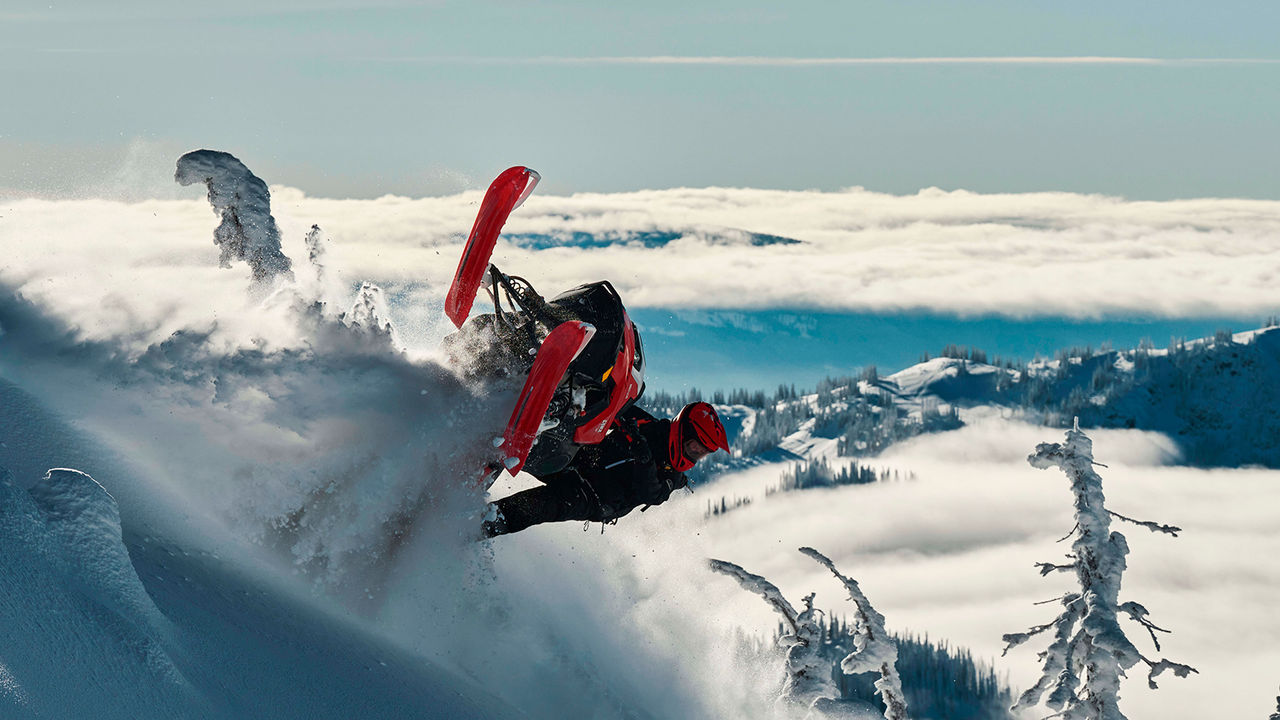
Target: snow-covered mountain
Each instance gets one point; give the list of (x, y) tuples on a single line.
[(1217, 397)]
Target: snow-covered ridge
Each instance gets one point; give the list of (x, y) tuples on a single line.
[(943, 377), (1217, 397)]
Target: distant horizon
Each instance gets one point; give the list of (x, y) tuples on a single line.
[(348, 100), (142, 170)]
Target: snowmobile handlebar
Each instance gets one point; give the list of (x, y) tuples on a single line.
[(520, 294)]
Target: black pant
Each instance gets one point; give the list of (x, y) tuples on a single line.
[(548, 503), (563, 496)]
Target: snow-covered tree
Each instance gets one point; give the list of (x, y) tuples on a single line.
[(369, 313), (1089, 653), (248, 231), (1276, 715), (874, 650), (808, 684), (806, 679)]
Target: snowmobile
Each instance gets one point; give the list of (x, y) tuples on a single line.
[(580, 353)]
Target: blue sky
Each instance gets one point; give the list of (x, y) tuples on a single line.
[(358, 100)]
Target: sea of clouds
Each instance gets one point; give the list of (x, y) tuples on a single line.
[(143, 269)]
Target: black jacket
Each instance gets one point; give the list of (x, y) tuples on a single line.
[(629, 468), (632, 466)]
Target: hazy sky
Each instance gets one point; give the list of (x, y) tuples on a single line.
[(360, 99)]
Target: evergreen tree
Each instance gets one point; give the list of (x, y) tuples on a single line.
[(870, 375), (1082, 667), (805, 680), (806, 684), (938, 682), (874, 651)]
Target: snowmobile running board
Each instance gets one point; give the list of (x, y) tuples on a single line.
[(505, 194), (559, 350)]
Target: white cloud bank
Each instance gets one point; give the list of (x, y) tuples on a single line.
[(151, 266)]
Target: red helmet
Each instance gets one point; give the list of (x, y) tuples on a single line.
[(697, 421)]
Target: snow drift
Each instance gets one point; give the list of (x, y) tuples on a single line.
[(77, 616), (107, 623)]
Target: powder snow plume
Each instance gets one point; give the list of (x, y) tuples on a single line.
[(273, 421), (320, 439)]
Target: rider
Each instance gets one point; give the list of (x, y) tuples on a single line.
[(640, 462)]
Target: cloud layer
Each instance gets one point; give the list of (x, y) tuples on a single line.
[(150, 266)]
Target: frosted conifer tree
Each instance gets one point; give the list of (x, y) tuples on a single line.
[(1089, 653), (808, 684), (248, 232), (874, 651), (1276, 715), (806, 669), (369, 313)]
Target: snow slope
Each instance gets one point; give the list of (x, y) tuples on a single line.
[(141, 619), (947, 379), (82, 635)]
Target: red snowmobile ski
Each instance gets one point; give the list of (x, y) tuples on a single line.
[(580, 352), (558, 350), (506, 193)]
